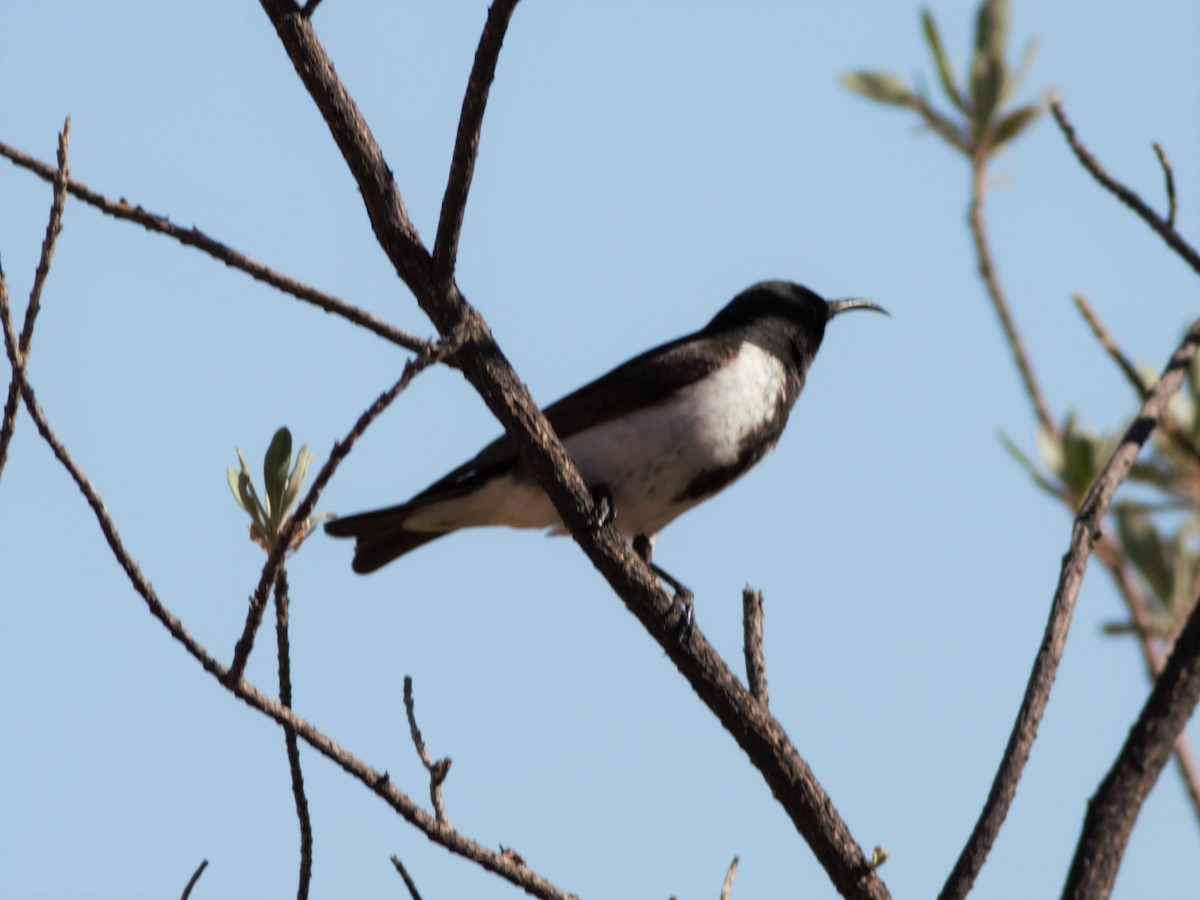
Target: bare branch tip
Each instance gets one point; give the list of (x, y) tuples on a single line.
[(187, 891)]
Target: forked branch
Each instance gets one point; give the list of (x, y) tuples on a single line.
[(481, 361)]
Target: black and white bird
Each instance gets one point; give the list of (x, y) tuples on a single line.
[(654, 437)]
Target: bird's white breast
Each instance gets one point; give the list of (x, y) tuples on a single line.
[(646, 459), (649, 458)]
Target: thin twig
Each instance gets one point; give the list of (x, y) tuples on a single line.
[(1164, 229), (752, 627), (408, 882), (727, 886), (1169, 178), (440, 832), (466, 143), (310, 7), (1128, 369), (1085, 532), (194, 237), (1114, 808), (1168, 424), (61, 175), (187, 891), (437, 770), (991, 281), (289, 734), (258, 600)]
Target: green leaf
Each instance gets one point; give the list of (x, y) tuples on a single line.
[(881, 87), (986, 82), (991, 28), (275, 472), (1050, 450), (1028, 465), (1146, 549), (1014, 81), (296, 480), (950, 132), (233, 476), (1081, 452), (1184, 573), (988, 69), (1013, 124), (945, 73)]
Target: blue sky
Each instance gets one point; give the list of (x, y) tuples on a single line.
[(640, 164)]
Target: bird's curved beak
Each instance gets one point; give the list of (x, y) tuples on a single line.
[(840, 306)]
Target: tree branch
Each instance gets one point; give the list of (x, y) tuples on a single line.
[(439, 832), (1163, 228), (987, 272), (289, 734), (1113, 558), (437, 770), (484, 365), (187, 890), (408, 882), (752, 626), (466, 143), (194, 237), (60, 178), (1115, 807), (1085, 532)]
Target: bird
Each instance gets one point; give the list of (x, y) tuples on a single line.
[(654, 437)]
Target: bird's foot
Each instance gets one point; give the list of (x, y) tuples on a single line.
[(602, 507), (686, 611), (683, 605)]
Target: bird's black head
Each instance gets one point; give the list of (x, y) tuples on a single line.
[(785, 318)]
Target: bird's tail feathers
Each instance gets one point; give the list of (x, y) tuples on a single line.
[(380, 536)]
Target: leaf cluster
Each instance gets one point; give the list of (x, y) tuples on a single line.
[(982, 123), (282, 482)]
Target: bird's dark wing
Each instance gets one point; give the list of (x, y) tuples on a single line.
[(641, 382)]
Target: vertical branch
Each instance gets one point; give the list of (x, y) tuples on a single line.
[(289, 734), (53, 227), (1169, 179), (752, 626), (437, 770), (987, 271)]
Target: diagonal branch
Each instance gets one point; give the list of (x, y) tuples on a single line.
[(53, 227), (194, 237), (484, 365), (1162, 227), (466, 144), (1114, 808), (1085, 532)]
